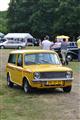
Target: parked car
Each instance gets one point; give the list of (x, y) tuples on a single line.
[(4, 43), (36, 42), (72, 50), (37, 69), (32, 42)]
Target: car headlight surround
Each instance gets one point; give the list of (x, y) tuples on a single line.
[(68, 74), (36, 75)]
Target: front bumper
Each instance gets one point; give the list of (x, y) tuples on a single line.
[(56, 79)]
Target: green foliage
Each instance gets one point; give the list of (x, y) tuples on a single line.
[(3, 22), (40, 17), (67, 18)]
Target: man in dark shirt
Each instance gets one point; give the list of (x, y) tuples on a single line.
[(64, 45)]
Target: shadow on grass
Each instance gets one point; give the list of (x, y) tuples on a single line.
[(40, 91)]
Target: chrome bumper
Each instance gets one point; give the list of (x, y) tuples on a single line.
[(56, 79)]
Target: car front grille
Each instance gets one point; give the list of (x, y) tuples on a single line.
[(48, 75)]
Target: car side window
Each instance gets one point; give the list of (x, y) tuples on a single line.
[(19, 61), (12, 59), (73, 44)]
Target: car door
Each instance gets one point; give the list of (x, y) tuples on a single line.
[(19, 69), (12, 66), (9, 44)]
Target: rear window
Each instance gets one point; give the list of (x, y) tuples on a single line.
[(72, 44), (12, 59)]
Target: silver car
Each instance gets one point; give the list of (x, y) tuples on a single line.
[(12, 44)]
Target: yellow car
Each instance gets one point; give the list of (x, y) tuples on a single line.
[(37, 69)]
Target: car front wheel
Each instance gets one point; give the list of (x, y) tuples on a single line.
[(67, 89), (2, 47), (20, 47), (9, 83), (26, 87)]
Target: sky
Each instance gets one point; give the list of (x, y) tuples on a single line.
[(4, 5)]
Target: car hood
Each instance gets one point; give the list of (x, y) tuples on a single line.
[(46, 68)]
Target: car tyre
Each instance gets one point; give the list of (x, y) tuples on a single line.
[(26, 87), (67, 89), (2, 47), (19, 47), (69, 57), (9, 83)]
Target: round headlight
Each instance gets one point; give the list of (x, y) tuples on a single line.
[(68, 74), (37, 75)]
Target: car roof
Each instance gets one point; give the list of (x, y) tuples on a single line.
[(31, 51)]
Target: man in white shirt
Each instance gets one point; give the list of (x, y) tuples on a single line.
[(46, 44)]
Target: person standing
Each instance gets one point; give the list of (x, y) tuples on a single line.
[(64, 46), (46, 43)]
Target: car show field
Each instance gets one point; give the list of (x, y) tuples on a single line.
[(39, 104)]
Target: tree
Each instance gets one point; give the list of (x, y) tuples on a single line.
[(3, 22), (19, 13), (67, 18), (40, 17)]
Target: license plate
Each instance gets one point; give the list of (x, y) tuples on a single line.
[(55, 83)]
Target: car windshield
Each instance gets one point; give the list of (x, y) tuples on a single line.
[(41, 58), (2, 40)]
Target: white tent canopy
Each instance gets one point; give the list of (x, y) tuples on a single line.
[(61, 37), (18, 35)]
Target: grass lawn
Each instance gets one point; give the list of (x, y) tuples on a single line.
[(39, 105)]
